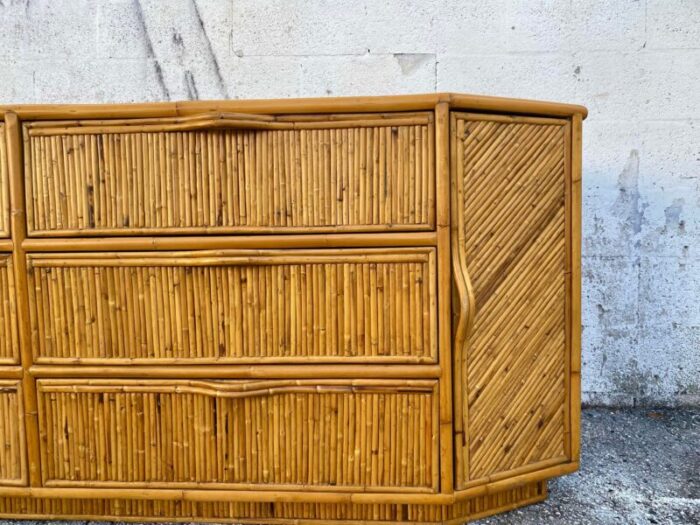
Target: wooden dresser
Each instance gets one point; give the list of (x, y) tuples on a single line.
[(348, 310)]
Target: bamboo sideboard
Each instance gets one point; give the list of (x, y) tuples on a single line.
[(357, 310)]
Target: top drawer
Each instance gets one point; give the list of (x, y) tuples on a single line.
[(4, 187), (227, 173)]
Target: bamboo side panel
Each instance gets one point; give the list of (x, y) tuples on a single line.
[(9, 342), (324, 175), (234, 306), (306, 434), (4, 187), (512, 174), (277, 513), (12, 446)]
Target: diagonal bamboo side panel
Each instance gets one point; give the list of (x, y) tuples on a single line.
[(512, 179), (333, 173), (12, 437), (373, 305), (4, 187), (9, 337), (317, 434)]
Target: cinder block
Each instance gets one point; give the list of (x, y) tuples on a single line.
[(262, 77), (671, 363), (55, 29), (98, 81), (605, 359), (121, 31), (367, 75), (613, 204), (304, 28), (671, 189), (543, 76), (296, 27), (668, 293), (17, 82), (673, 24), (671, 85), (610, 292), (601, 25)]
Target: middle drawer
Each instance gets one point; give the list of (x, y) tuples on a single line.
[(242, 306)]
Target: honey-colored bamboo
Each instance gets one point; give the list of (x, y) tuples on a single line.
[(9, 340), (62, 403), (28, 417), (12, 437), (74, 323), (361, 310), (4, 189), (96, 168)]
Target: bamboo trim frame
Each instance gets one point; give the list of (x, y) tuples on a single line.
[(13, 137), (7, 268), (424, 256), (6, 386), (4, 190), (247, 390), (442, 172), (224, 242), (297, 106), (387, 157)]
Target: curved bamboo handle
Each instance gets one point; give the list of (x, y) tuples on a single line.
[(466, 301), (226, 121), (216, 120)]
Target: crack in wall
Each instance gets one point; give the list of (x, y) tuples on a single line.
[(150, 50)]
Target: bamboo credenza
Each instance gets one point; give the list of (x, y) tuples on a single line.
[(290, 311)]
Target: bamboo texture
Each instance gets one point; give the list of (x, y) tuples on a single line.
[(512, 231), (369, 305), (12, 448), (360, 435), (4, 188), (273, 513), (372, 176), (9, 338), (344, 311)]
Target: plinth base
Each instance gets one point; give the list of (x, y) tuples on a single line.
[(271, 513)]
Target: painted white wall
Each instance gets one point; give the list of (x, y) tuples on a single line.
[(635, 64)]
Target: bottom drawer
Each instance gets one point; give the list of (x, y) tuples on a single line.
[(320, 434), (12, 448)]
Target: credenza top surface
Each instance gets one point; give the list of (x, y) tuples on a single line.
[(297, 106)]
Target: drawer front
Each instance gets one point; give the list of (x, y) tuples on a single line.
[(9, 343), (334, 173), (234, 306), (12, 448), (322, 435), (4, 187)]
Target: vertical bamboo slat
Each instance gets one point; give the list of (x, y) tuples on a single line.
[(12, 437), (4, 188), (9, 337), (18, 229), (219, 307)]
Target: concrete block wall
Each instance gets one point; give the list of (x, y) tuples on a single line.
[(634, 63)]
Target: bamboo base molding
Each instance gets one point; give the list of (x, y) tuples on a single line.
[(350, 311), (271, 513)]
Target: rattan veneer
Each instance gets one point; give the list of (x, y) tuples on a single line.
[(361, 310)]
